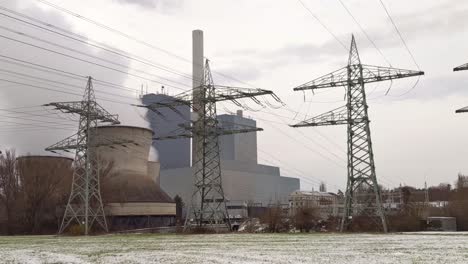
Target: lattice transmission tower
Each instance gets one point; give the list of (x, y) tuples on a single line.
[(361, 168), (463, 67), (207, 207), (84, 205)]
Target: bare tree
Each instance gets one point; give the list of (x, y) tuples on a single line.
[(275, 219), (179, 206), (9, 187), (305, 218), (40, 183)]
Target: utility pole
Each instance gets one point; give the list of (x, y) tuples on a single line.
[(361, 168), (463, 67), (84, 205)]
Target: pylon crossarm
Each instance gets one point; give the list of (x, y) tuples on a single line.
[(176, 134), (338, 116), (225, 93), (67, 144), (463, 67), (111, 142), (78, 107), (237, 131), (372, 74), (225, 128), (334, 79), (222, 93), (71, 143), (462, 110)]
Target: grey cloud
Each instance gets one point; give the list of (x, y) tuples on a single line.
[(165, 6), (246, 73), (444, 19), (142, 3), (440, 87), (20, 95)]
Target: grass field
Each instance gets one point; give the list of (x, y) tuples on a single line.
[(238, 248)]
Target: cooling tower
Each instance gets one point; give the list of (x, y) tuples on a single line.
[(128, 180), (128, 158), (44, 167), (153, 171), (39, 173)]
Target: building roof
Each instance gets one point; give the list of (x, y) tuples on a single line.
[(37, 157), (124, 126), (311, 193)]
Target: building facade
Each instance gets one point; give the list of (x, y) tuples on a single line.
[(172, 153), (244, 180), (326, 203)]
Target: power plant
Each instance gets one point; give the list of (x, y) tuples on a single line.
[(244, 179), (208, 201), (150, 141)]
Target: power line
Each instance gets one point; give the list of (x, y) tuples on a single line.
[(34, 130), (22, 114), (91, 56), (365, 33), (86, 61), (384, 179), (37, 125), (62, 73), (52, 81), (87, 41), (305, 146), (61, 91), (118, 32), (282, 164), (321, 23), (399, 34), (110, 29)]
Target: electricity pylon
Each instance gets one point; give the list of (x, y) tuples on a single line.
[(84, 203), (361, 168), (208, 202), (463, 67)]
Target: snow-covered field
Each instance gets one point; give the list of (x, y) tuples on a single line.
[(238, 248)]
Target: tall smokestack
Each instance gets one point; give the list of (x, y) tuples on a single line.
[(198, 93)]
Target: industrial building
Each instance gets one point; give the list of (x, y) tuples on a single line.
[(130, 182), (175, 153), (244, 180), (327, 204)]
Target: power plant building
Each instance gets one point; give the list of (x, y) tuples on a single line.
[(174, 153), (244, 180)]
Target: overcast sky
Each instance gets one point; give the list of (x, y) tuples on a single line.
[(273, 45)]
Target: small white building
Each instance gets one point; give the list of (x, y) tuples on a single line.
[(327, 203)]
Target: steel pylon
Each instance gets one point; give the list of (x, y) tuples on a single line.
[(463, 67), (84, 206), (361, 165), (208, 203), (207, 208)]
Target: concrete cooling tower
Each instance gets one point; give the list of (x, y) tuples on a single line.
[(39, 171), (129, 181)]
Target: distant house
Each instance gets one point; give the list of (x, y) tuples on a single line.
[(327, 203)]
